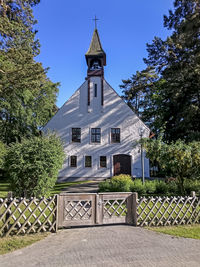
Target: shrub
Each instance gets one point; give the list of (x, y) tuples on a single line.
[(161, 187), (150, 187), (123, 183), (138, 187), (105, 186), (191, 185), (33, 165), (172, 187), (120, 183)]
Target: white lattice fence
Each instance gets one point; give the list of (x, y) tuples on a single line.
[(156, 211), (23, 216)]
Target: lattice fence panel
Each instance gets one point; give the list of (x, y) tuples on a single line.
[(77, 210), (22, 216), (114, 208), (157, 211)]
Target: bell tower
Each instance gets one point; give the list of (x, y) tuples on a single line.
[(95, 57)]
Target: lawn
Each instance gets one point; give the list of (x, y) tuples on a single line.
[(9, 244), (5, 187), (188, 231)]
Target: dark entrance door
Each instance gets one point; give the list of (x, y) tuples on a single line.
[(122, 164)]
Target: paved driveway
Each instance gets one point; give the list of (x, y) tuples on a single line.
[(107, 246)]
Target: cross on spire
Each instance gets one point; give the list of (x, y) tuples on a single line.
[(95, 19)]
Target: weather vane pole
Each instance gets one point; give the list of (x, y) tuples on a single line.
[(95, 19)]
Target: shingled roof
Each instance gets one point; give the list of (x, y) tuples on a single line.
[(95, 48)]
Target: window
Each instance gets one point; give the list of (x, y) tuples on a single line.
[(96, 135), (76, 135), (115, 135), (95, 90), (73, 161), (103, 163), (88, 161)]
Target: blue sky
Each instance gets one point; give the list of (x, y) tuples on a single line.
[(65, 30)]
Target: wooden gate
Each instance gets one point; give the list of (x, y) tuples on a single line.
[(93, 209)]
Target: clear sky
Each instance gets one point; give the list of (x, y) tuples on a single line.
[(125, 26)]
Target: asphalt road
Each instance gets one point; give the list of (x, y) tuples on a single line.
[(118, 245)]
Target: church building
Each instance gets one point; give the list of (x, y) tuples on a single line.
[(98, 128)]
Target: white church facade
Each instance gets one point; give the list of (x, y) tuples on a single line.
[(97, 127)]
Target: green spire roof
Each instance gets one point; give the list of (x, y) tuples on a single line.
[(95, 48)]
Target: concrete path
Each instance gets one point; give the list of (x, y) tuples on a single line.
[(83, 188), (107, 246)]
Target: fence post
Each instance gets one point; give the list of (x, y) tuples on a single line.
[(193, 194), (56, 215), (99, 209), (134, 208)]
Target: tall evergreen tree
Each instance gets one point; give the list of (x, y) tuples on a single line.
[(176, 101), (27, 96)]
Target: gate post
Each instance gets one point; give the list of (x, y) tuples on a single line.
[(56, 212), (132, 209), (99, 209), (135, 197)]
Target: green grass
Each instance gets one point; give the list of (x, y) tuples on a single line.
[(5, 187), (188, 231), (9, 244)]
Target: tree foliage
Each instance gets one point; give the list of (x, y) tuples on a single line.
[(32, 165), (178, 159), (3, 151), (27, 96), (173, 99)]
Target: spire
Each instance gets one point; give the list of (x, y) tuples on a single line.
[(95, 49)]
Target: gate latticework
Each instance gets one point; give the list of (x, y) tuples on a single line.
[(92, 209)]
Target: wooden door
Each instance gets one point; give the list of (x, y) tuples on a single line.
[(122, 164)]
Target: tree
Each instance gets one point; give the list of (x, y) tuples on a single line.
[(27, 95), (178, 159), (3, 151), (32, 166), (137, 88), (176, 101)]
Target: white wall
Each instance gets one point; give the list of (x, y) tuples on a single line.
[(75, 113)]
